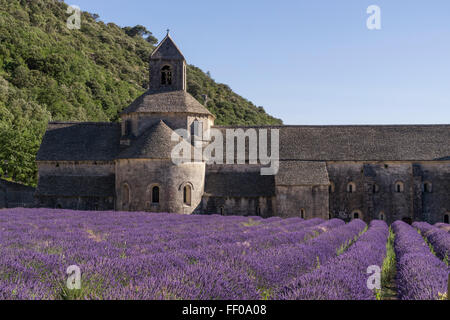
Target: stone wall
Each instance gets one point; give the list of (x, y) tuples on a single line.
[(290, 200), (377, 195), (76, 203), (238, 206), (83, 195), (14, 195), (374, 191), (433, 199), (141, 176), (76, 168)]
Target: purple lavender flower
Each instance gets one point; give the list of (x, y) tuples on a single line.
[(420, 274), (345, 276)]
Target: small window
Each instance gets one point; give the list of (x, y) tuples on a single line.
[(382, 216), (221, 211), (399, 187), (166, 76), (302, 213), (331, 187), (351, 187), (446, 218), (125, 194), (128, 129), (187, 195), (155, 195), (375, 188), (427, 187), (258, 211), (197, 129), (356, 214)]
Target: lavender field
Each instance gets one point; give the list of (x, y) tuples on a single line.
[(132, 255)]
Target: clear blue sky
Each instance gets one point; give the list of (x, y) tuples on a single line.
[(314, 61)]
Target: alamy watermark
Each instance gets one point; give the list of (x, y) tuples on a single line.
[(235, 148), (374, 20), (74, 21), (374, 280), (74, 279)]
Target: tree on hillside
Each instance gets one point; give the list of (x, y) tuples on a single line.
[(141, 31)]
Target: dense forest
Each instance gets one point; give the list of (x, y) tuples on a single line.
[(49, 72)]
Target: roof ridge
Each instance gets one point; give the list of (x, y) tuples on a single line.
[(333, 126), (83, 123)]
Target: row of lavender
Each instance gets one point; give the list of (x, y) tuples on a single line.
[(438, 238), (420, 274), (166, 256), (345, 276), (160, 256)]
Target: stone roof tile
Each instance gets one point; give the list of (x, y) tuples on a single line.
[(302, 173), (155, 143), (80, 141), (172, 101)]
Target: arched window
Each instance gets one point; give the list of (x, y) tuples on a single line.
[(375, 188), (427, 187), (197, 129), (356, 214), (351, 187), (258, 211), (126, 194), (155, 194), (221, 211), (446, 218), (331, 187), (399, 187), (187, 195), (166, 76), (302, 213), (128, 128), (382, 216)]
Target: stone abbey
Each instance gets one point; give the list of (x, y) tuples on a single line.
[(387, 172)]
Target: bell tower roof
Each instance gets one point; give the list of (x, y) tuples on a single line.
[(167, 49), (167, 67)]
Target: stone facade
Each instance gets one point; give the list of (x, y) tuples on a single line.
[(368, 172), (14, 195)]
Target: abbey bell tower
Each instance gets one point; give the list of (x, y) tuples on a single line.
[(167, 67)]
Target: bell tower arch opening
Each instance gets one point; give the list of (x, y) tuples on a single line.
[(167, 67), (166, 75)]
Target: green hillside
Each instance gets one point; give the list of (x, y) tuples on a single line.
[(49, 72)]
